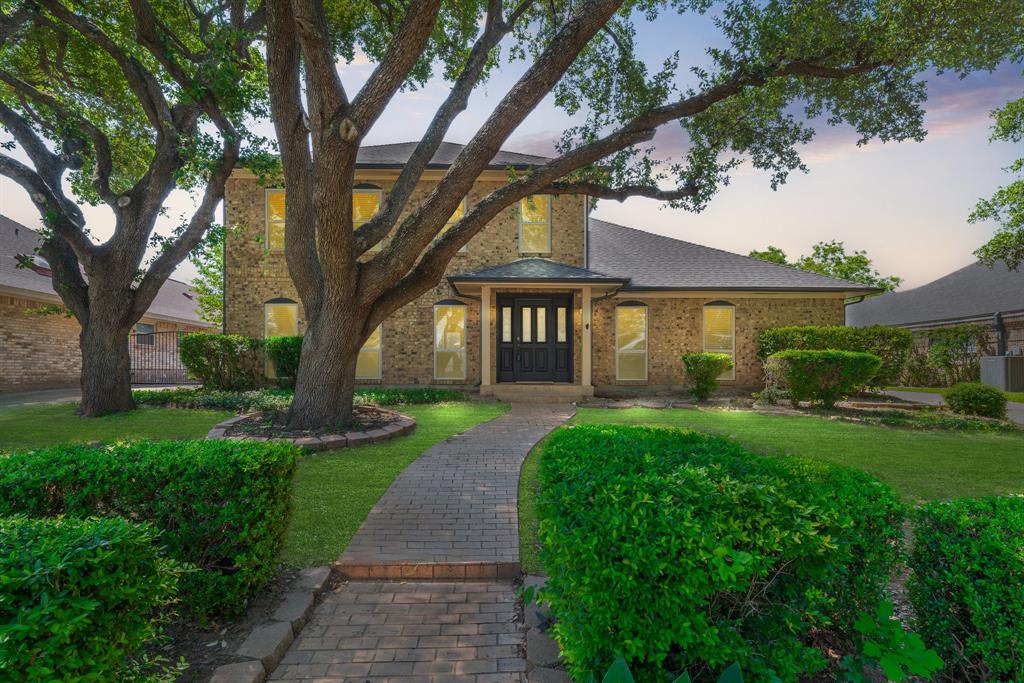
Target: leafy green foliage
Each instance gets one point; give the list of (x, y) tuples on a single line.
[(78, 596), (284, 353), (223, 361), (884, 644), (930, 419), (826, 376), (737, 557), (891, 344), (208, 259), (619, 672), (956, 351), (704, 369), (974, 398), (280, 399), (221, 506), (831, 259), (968, 569)]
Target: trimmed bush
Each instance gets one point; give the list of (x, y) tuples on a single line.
[(683, 551), (77, 597), (222, 361), (826, 376), (892, 345), (703, 369), (966, 586), (284, 353), (975, 398), (280, 399), (219, 505), (956, 351)]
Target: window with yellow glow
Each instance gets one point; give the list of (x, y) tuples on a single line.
[(535, 224), (365, 205), (449, 341), (275, 211), (720, 334), (280, 319), (631, 342), (460, 211), (368, 366)]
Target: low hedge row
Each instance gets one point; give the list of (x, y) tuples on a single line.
[(825, 376), (280, 399), (220, 506), (966, 586), (682, 551), (223, 361), (77, 597)]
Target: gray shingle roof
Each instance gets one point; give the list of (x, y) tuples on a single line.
[(972, 291), (532, 269), (396, 155), (172, 301), (657, 262)]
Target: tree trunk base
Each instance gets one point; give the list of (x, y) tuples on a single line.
[(106, 371)]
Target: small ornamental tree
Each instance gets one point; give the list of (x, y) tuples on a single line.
[(775, 67)]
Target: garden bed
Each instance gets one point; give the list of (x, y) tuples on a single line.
[(370, 424)]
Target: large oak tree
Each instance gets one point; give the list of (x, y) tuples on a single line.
[(117, 104), (778, 68)]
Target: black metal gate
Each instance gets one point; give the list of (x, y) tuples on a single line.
[(155, 358)]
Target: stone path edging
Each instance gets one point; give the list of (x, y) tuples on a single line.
[(330, 442)]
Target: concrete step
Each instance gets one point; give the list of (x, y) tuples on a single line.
[(369, 571), (539, 392)]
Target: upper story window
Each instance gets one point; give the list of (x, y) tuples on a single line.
[(273, 236), (535, 224), (366, 201), (720, 332), (460, 211), (449, 340), (631, 341), (368, 365)]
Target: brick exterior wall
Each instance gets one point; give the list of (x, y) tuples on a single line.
[(41, 351), (675, 327)]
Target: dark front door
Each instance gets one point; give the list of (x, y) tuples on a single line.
[(534, 338)]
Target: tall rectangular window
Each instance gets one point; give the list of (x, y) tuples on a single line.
[(368, 366), (720, 333), (460, 211), (275, 212), (535, 224), (280, 319), (631, 342), (365, 205), (449, 341)]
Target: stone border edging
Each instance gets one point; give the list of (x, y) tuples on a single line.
[(330, 442), (267, 643)]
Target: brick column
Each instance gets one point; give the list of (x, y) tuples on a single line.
[(485, 338)]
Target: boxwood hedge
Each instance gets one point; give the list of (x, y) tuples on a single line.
[(682, 551), (975, 398), (221, 506), (967, 586), (825, 376), (77, 597)]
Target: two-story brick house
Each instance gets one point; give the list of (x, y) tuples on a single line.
[(571, 304)]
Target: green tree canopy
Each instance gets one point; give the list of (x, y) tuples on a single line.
[(830, 258)]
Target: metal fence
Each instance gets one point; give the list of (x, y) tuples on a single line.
[(155, 358)]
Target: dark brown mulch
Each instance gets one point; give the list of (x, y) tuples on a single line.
[(273, 424)]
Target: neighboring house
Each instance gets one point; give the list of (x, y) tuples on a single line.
[(973, 294), (572, 302), (41, 350)]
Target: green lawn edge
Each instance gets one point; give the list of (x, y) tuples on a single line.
[(529, 516)]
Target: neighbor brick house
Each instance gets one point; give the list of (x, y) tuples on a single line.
[(39, 344), (569, 302)]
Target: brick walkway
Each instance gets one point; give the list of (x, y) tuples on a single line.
[(451, 518)]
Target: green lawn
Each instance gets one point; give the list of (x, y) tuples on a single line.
[(919, 464), (45, 425), (529, 487), (1015, 396), (334, 491)]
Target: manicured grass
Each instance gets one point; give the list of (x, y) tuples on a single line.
[(44, 425), (529, 487), (1015, 396), (919, 464), (333, 492)]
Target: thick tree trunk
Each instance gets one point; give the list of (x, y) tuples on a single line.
[(325, 386), (106, 369)]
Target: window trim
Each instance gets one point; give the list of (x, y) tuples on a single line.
[(267, 191), (521, 221), (368, 188), (704, 340), (647, 341), (380, 358), (465, 338)]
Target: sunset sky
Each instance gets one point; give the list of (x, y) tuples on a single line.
[(906, 204)]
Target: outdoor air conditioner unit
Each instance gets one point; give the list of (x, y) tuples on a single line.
[(1003, 372)]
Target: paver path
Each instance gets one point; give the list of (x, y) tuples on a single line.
[(453, 512)]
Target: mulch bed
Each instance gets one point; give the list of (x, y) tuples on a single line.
[(273, 424)]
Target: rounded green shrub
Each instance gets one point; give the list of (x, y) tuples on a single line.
[(685, 552), (222, 361), (704, 369), (967, 585), (78, 596), (975, 398), (825, 376), (284, 353)]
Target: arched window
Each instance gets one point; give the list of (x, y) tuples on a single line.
[(280, 318), (720, 332), (631, 341), (450, 340)]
